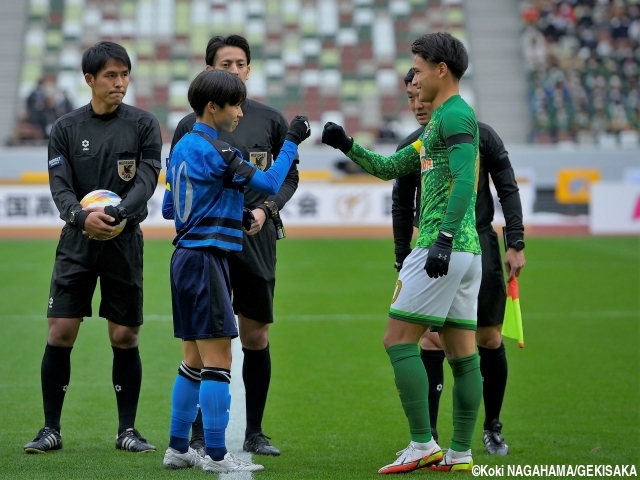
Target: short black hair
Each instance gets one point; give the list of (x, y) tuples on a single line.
[(442, 47), (216, 43), (408, 78), (217, 86), (95, 58)]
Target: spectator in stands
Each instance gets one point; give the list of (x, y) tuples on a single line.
[(583, 58), (37, 108), (64, 105)]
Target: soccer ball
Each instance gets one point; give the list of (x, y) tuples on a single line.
[(103, 198)]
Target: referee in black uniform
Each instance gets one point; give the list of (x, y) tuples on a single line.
[(259, 136), (494, 161), (103, 145)]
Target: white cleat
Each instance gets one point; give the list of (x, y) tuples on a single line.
[(230, 463), (412, 458), (174, 460)]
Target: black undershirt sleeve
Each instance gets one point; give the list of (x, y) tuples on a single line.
[(497, 163)]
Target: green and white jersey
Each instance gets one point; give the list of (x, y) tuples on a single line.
[(447, 155)]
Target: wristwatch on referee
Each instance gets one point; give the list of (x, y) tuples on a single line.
[(272, 208), (518, 245), (73, 216), (122, 212)]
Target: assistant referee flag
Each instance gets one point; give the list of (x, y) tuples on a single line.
[(512, 325)]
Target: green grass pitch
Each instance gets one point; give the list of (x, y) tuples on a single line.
[(572, 396)]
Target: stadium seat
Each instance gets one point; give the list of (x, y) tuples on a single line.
[(581, 71), (307, 56)]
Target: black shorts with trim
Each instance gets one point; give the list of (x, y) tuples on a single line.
[(492, 297), (201, 295), (81, 261), (253, 275)]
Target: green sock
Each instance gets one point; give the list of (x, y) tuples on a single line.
[(413, 388), (467, 394)]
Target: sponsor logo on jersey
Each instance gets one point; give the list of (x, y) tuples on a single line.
[(54, 162), (259, 159), (426, 164), (85, 145), (126, 169)]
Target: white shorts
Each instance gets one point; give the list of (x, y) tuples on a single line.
[(449, 301)]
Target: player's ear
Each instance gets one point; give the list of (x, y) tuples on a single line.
[(442, 69), (88, 78), (248, 71)]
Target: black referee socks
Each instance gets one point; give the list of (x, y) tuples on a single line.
[(127, 378), (55, 373), (493, 367)]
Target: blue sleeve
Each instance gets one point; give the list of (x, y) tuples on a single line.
[(167, 204), (269, 182)]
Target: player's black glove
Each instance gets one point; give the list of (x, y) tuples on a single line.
[(439, 256), (299, 130), (118, 213), (335, 136), (247, 218)]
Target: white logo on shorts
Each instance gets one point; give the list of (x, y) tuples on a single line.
[(50, 302)]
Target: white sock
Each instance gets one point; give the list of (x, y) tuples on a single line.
[(424, 446), (456, 455)]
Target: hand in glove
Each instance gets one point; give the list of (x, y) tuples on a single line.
[(439, 256), (335, 136)]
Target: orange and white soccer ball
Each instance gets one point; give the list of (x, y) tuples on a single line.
[(103, 198)]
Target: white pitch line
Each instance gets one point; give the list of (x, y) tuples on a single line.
[(234, 435)]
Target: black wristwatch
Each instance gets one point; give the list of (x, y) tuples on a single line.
[(518, 245), (73, 216), (122, 212), (272, 208)]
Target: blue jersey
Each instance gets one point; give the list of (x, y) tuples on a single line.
[(206, 201)]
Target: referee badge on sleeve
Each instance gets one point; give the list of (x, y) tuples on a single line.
[(126, 169), (259, 159)]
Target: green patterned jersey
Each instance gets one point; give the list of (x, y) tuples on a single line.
[(449, 173)]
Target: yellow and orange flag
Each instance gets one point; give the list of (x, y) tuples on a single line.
[(512, 325)]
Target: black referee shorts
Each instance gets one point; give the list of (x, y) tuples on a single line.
[(81, 261), (493, 294), (253, 275)]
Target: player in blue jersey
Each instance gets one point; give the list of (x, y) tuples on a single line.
[(204, 196)]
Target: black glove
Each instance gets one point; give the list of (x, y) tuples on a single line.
[(299, 130), (335, 136), (118, 214), (247, 218), (439, 256)]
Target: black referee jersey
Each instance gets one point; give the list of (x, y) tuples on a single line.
[(119, 151), (259, 136), (494, 161)]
